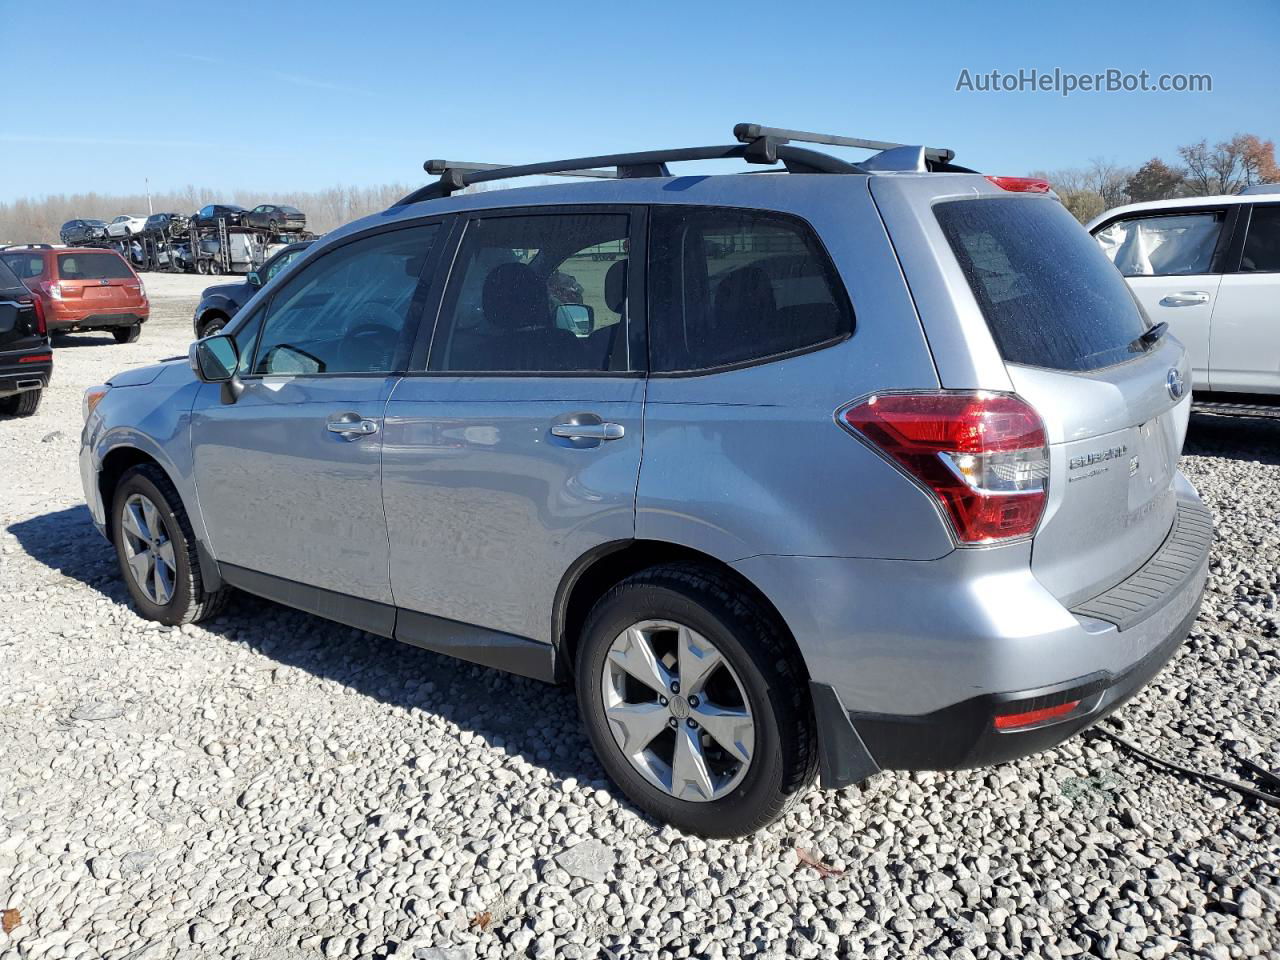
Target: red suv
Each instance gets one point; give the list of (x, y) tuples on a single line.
[(83, 289)]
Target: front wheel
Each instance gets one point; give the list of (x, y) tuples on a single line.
[(21, 404), (213, 327), (127, 334), (696, 701), (156, 549)]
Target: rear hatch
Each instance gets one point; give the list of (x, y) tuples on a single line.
[(98, 279), (1069, 334)]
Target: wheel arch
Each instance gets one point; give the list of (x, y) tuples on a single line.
[(599, 569), (119, 460)]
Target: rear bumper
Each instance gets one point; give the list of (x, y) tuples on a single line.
[(913, 665), (99, 318), (15, 378)]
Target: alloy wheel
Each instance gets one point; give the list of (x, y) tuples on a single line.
[(677, 710), (148, 549)]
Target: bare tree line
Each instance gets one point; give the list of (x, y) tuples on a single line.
[(37, 220), (1223, 168)]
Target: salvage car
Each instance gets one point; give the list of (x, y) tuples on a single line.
[(210, 214), (1209, 267), (126, 226), (26, 359), (82, 231), (83, 289), (277, 218), (860, 467)]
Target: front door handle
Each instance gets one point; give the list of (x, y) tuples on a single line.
[(589, 431), (351, 426), (1185, 299)]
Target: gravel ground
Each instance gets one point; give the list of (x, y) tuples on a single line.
[(274, 785)]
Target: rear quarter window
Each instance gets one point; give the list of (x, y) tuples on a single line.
[(92, 266), (1050, 297)]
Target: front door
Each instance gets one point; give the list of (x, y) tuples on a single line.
[(517, 449), (289, 475), (1245, 349), (1169, 260)]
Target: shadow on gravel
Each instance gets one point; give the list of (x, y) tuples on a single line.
[(61, 341), (510, 713), (1253, 439)]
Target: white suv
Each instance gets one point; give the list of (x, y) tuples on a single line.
[(1210, 268)]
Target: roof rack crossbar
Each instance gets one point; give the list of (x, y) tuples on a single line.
[(648, 163), (753, 132)]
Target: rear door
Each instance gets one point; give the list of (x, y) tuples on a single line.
[(513, 448), (17, 318), (1113, 407), (1172, 261), (1245, 343), (97, 280)]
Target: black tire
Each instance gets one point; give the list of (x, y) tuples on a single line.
[(190, 601), (273, 227), (212, 325), (215, 268), (202, 267), (757, 647), (127, 334), (21, 404)]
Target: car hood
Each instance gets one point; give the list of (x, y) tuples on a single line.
[(231, 290), (140, 376)]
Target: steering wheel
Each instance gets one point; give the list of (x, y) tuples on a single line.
[(378, 332)]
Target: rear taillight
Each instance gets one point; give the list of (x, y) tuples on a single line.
[(1021, 184), (983, 456), (54, 290), (41, 328)]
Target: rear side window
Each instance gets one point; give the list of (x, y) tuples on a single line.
[(1049, 295), (1168, 245), (1262, 243), (25, 265), (92, 266), (737, 286), (7, 278)]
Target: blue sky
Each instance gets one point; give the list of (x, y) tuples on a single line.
[(308, 95)]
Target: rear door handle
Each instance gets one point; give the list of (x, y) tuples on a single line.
[(1185, 299), (351, 426), (589, 431)]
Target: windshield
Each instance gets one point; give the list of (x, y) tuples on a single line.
[(1048, 293)]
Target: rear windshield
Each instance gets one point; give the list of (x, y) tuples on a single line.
[(92, 266), (1049, 294)]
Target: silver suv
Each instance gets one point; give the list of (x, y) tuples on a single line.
[(846, 468)]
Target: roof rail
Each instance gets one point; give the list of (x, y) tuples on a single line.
[(757, 144), (754, 132)]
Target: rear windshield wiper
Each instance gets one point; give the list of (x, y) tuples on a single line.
[(1148, 339)]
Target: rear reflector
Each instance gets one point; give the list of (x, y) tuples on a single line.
[(983, 456), (1021, 184), (36, 358), (1016, 721)]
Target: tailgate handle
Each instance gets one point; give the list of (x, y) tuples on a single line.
[(1185, 299)]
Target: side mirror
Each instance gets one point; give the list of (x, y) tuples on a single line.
[(214, 360), (253, 279), (577, 318)]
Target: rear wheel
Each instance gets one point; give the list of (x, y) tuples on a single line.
[(696, 701), (21, 404), (156, 549), (202, 267), (127, 334), (215, 268)]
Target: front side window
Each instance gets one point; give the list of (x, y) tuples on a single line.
[(537, 294), (738, 286), (349, 311), (1262, 243), (1163, 246)]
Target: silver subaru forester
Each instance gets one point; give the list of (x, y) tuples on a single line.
[(842, 468)]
